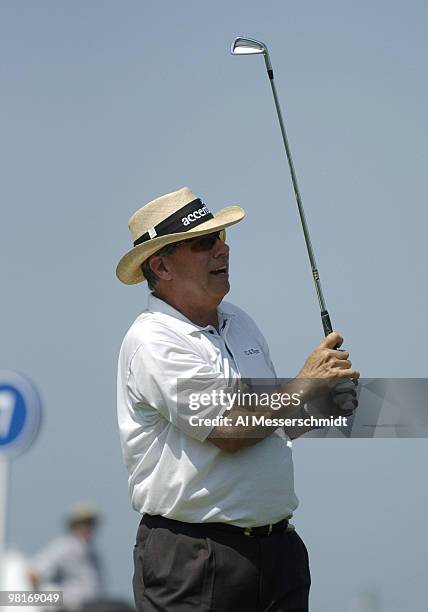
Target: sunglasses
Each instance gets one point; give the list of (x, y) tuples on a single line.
[(200, 243)]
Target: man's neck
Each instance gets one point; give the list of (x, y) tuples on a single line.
[(199, 315)]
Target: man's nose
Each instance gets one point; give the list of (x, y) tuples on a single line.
[(220, 248)]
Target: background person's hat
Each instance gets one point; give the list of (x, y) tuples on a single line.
[(82, 513), (168, 219)]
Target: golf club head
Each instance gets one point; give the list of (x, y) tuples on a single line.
[(243, 45), (247, 46)]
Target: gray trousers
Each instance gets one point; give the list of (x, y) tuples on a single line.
[(185, 567)]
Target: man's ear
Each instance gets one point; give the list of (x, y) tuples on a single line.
[(160, 267)]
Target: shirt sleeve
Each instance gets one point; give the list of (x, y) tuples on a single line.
[(168, 373), (47, 563)]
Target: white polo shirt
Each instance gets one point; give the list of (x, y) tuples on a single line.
[(173, 469)]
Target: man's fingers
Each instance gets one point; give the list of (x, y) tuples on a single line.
[(342, 363), (341, 354), (351, 373), (332, 341), (346, 386), (348, 406), (344, 397), (340, 399)]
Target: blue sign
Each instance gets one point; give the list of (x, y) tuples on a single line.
[(20, 413)]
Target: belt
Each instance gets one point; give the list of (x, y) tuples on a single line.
[(151, 520)]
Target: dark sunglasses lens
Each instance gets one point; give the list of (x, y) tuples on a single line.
[(204, 243)]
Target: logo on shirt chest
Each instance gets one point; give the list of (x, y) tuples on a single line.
[(252, 351)]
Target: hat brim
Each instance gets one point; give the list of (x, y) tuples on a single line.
[(129, 267)]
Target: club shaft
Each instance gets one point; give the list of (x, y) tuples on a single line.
[(324, 314)]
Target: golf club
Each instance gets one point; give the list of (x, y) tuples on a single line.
[(250, 46)]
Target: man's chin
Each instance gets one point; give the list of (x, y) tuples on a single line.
[(225, 289), (218, 293)]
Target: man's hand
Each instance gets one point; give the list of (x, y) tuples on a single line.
[(324, 369), (344, 396), (340, 401), (326, 366)]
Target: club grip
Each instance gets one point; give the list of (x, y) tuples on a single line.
[(326, 323)]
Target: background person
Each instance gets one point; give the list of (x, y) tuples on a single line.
[(70, 562)]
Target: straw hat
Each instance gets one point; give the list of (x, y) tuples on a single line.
[(82, 513), (168, 219)]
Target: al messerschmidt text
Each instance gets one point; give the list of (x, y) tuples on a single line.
[(262, 421)]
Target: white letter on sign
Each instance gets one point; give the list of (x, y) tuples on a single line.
[(7, 405)]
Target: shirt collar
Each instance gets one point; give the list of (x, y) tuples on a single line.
[(157, 305)]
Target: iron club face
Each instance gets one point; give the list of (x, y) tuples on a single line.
[(247, 46), (250, 46)]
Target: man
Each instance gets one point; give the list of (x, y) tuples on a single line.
[(70, 563), (216, 498)]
